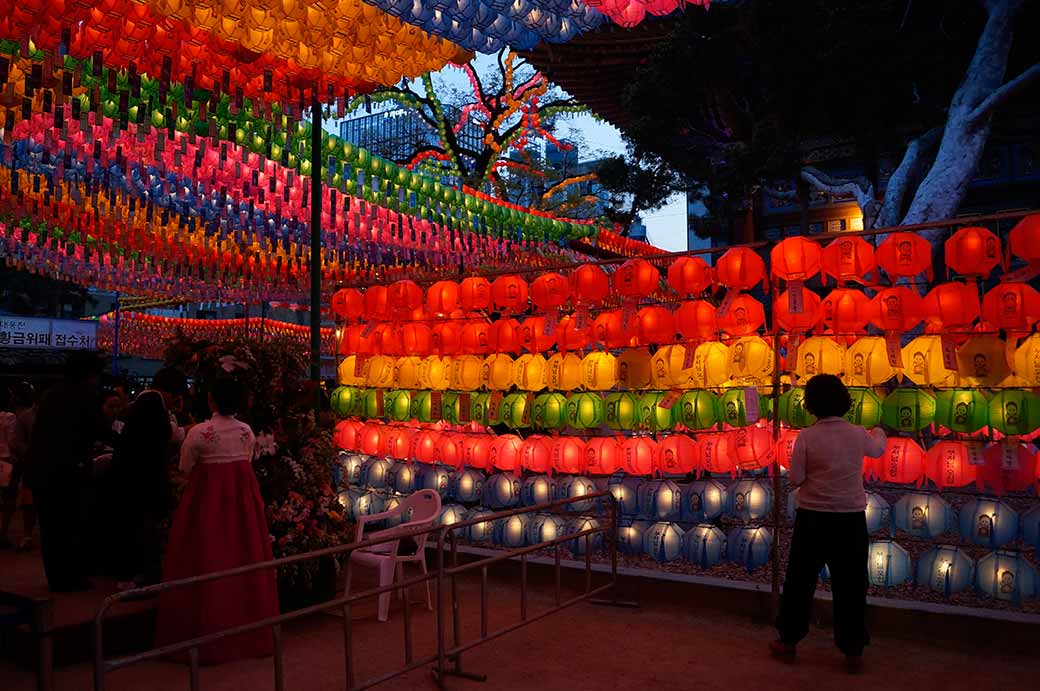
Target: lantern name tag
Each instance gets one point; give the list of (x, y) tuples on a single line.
[(493, 404), (949, 352), (795, 297), (464, 403), (727, 303), (359, 365), (688, 358), (975, 456), (1009, 457), (751, 404), (435, 405), (669, 399), (894, 349)]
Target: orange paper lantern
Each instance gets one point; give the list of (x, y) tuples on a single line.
[(951, 305), (446, 338), (376, 305), (795, 259), (846, 311), (504, 336), (550, 291), (590, 284), (1024, 238), (973, 251), (404, 297), (348, 303), (655, 325), (533, 337), (902, 462), (476, 338), (609, 330), (506, 452), (509, 294), (1014, 307), (848, 259), (903, 255), (536, 454), (602, 456), (442, 298), (475, 294), (745, 316), (636, 278), (677, 455), (895, 309), (638, 455), (689, 275), (568, 455), (805, 320), (740, 268)]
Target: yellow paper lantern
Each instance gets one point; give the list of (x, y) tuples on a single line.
[(750, 359), (529, 372), (435, 373), (406, 372), (563, 372), (710, 365), (819, 355), (923, 363), (497, 372), (982, 361), (634, 369), (1027, 362), (667, 368), (465, 372), (379, 371), (599, 371), (866, 362), (345, 372)]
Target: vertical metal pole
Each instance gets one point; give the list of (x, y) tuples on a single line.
[(246, 304), (316, 173), (193, 661), (778, 486), (115, 341), (263, 318)]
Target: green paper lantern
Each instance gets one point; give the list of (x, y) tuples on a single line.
[(422, 406), (549, 411), (652, 415), (1014, 412), (345, 400), (369, 405), (585, 410), (450, 407), (732, 408), (621, 410), (478, 408), (792, 409), (397, 405), (961, 410), (512, 409), (865, 409), (696, 409), (908, 410)]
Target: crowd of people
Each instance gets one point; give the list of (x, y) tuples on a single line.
[(98, 469)]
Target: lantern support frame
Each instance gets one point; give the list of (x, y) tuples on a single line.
[(316, 242)]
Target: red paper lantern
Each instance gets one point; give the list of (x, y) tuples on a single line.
[(376, 305), (714, 455), (695, 320), (740, 268), (655, 325), (569, 336), (504, 336), (590, 284), (904, 255), (638, 455), (446, 338), (536, 454), (509, 294), (602, 456), (902, 462), (745, 316), (795, 259), (476, 338), (415, 339), (689, 275), (951, 305), (442, 298), (475, 294), (677, 454), (785, 447), (895, 309), (805, 320), (636, 278), (973, 251), (384, 340), (348, 303), (845, 310), (533, 337), (751, 447), (568, 455), (451, 449), (550, 291), (848, 259), (949, 463), (426, 446), (404, 297), (347, 434), (1024, 238), (506, 452), (398, 442), (1009, 467), (609, 330), (1014, 307), (372, 441), (477, 451)]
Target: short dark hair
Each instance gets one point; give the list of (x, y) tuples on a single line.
[(171, 380), (228, 395), (826, 396)]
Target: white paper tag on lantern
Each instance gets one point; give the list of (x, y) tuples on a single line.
[(1009, 456), (795, 297), (894, 349), (670, 399), (975, 455), (727, 303), (949, 352), (751, 404)]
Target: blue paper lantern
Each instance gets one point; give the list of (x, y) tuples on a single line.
[(749, 500), (988, 522), (626, 491), (923, 515), (573, 487), (511, 531), (888, 564), (402, 477), (704, 545), (946, 569), (545, 527), (437, 478), (878, 512), (1030, 524), (359, 503), (502, 491), (702, 501), (630, 536), (663, 542), (391, 502), (1006, 576), (659, 500), (749, 547), (578, 545), (537, 489), (466, 485), (350, 467), (451, 514), (483, 531), (374, 472)]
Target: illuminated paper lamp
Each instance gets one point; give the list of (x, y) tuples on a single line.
[(663, 542), (878, 512), (923, 363), (360, 504), (599, 371), (866, 408), (731, 408), (476, 451), (348, 303), (848, 259), (819, 355), (476, 338), (402, 477), (377, 307), (511, 531), (450, 515), (867, 363), (676, 455), (888, 564), (465, 372), (750, 358), (397, 405), (549, 411), (580, 546), (945, 569), (961, 410), (655, 326), (785, 447), (908, 410), (902, 462), (904, 255), (406, 372), (749, 547), (347, 434), (512, 411), (446, 338), (751, 447), (689, 275), (585, 410), (636, 278), (896, 309), (846, 310), (749, 500), (715, 455), (696, 320), (442, 298), (484, 531), (371, 440), (702, 500), (1012, 306), (745, 316), (451, 449), (630, 537), (563, 372), (1024, 238), (802, 321), (704, 545), (379, 371), (1006, 575), (533, 337), (635, 369), (973, 251), (982, 361), (479, 404), (550, 291), (422, 406), (545, 527), (344, 400), (609, 330), (652, 415), (987, 522), (950, 463), (602, 456), (502, 491), (466, 486), (696, 409), (710, 365), (350, 467), (475, 294), (345, 372), (568, 455), (590, 284), (505, 336), (507, 452), (795, 259), (1030, 526), (416, 339), (569, 336), (368, 407), (740, 268), (435, 373), (497, 372), (1009, 467), (509, 294), (923, 514), (638, 455), (398, 441), (574, 487), (621, 410), (536, 454), (1027, 359), (792, 409), (625, 491), (659, 500), (953, 305), (1014, 412), (667, 368), (404, 297)]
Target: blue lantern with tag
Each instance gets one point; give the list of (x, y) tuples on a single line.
[(575, 487), (888, 564), (988, 522), (702, 501), (923, 514), (626, 491), (663, 542), (502, 491), (749, 547), (659, 500), (537, 489), (1006, 576), (749, 500), (946, 569), (704, 545)]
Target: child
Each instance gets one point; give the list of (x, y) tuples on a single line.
[(830, 527)]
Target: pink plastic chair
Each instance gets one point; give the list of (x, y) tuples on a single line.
[(419, 510)]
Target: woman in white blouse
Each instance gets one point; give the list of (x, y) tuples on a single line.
[(219, 524)]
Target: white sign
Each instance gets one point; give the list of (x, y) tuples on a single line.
[(55, 334)]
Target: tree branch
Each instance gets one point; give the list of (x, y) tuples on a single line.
[(415, 154), (1003, 94), (908, 168), (859, 187), (781, 195)]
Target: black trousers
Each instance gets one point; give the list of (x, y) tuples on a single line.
[(63, 538), (840, 541)]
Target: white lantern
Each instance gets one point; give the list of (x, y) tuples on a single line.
[(702, 501), (749, 546), (749, 500), (537, 489), (502, 491), (878, 511), (402, 477), (374, 472), (511, 531), (483, 531), (946, 569), (437, 478), (1030, 523), (545, 527), (350, 465), (466, 485), (630, 536), (704, 545), (451, 514), (626, 492), (574, 487), (1006, 576), (888, 564)]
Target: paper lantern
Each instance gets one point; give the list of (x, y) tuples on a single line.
[(1012, 306), (550, 291), (509, 294), (575, 487), (511, 531), (982, 361), (696, 320), (466, 486), (506, 452), (402, 477), (1009, 467), (479, 403), (621, 410), (655, 326), (740, 268), (630, 537), (750, 360), (961, 410), (406, 372), (659, 500), (1027, 359), (711, 362), (451, 407), (563, 372), (638, 455), (364, 504), (422, 406), (590, 284), (569, 336), (426, 446), (344, 400), (348, 303), (371, 440), (663, 542), (896, 309), (635, 369), (877, 512), (696, 409), (751, 447), (636, 278), (792, 409), (945, 569), (973, 251), (703, 500), (345, 373), (379, 371), (804, 320), (732, 407), (714, 454), (404, 297), (689, 275), (923, 363), (529, 372), (903, 255), (585, 410), (475, 294), (795, 259), (537, 489), (568, 455), (848, 259), (819, 355), (504, 336), (549, 411), (867, 363), (580, 546), (536, 454), (923, 515), (437, 478), (667, 368), (749, 547), (347, 434), (465, 372), (676, 455), (866, 408), (497, 372), (476, 451), (888, 564), (1014, 412), (533, 337), (1024, 238), (502, 491), (744, 317), (1030, 526), (846, 310), (908, 410), (350, 468), (749, 500), (954, 463), (951, 306), (442, 298), (652, 414), (512, 412), (609, 329), (450, 515), (377, 307), (599, 371), (704, 545), (483, 531), (397, 405), (398, 441), (1006, 575), (987, 522), (785, 447), (902, 462), (625, 491), (602, 456), (476, 338), (435, 373)]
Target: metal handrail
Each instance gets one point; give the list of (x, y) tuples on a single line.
[(443, 655)]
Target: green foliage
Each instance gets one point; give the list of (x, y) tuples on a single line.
[(637, 182)]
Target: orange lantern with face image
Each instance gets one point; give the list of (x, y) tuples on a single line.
[(442, 298), (895, 309), (638, 455), (504, 336), (689, 275), (806, 319), (550, 291), (476, 451), (696, 321), (590, 284), (903, 255), (848, 259), (677, 454), (446, 337), (655, 326), (636, 278), (795, 259), (509, 294), (415, 339), (568, 455), (536, 454), (475, 294), (609, 330), (602, 456), (533, 337), (951, 306), (973, 251), (476, 338), (569, 336), (744, 317), (506, 452), (348, 303), (740, 268), (845, 310), (1013, 306)]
